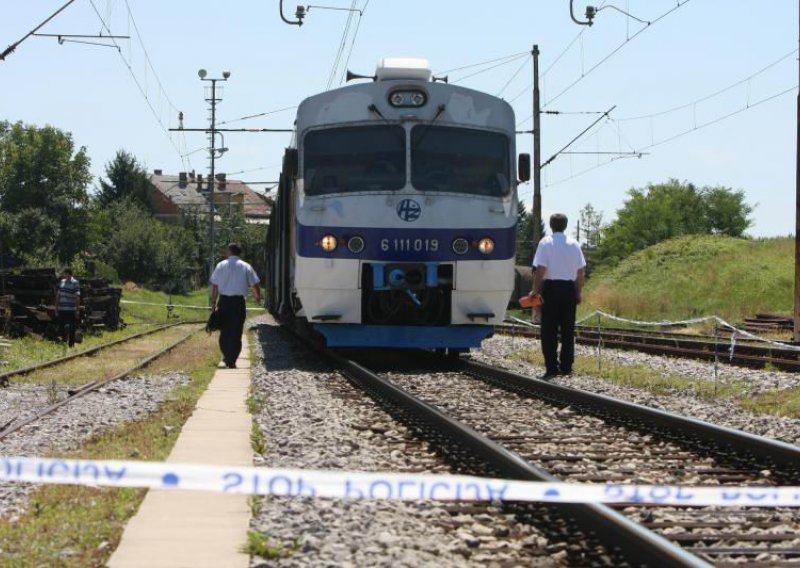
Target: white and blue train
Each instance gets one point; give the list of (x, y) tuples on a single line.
[(394, 224)]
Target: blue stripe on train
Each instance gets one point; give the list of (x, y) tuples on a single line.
[(405, 245), (404, 336)]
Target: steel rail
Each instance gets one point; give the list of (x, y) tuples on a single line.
[(780, 457), (4, 377), (745, 354), (94, 385), (616, 532)]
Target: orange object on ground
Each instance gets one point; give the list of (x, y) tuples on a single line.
[(531, 301)]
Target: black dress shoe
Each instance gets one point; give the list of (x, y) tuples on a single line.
[(566, 373), (230, 365), (548, 376)]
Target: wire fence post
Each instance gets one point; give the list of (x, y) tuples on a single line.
[(716, 354), (599, 346)]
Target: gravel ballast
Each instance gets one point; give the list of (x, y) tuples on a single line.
[(497, 351), (73, 424), (312, 418)]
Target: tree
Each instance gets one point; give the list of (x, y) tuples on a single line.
[(141, 248), (663, 211), (43, 177), (591, 222), (127, 179), (525, 235)]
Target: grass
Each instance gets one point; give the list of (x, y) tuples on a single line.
[(28, 351), (643, 377), (107, 363), (784, 402), (80, 526), (698, 276), (258, 545)]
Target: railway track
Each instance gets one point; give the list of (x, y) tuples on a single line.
[(488, 421), (19, 422), (6, 377), (701, 347)]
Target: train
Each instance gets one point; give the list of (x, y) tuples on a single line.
[(395, 218)]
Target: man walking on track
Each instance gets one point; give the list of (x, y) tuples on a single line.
[(68, 303), (559, 268), (230, 280)]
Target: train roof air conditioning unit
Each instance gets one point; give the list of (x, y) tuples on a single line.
[(403, 68)]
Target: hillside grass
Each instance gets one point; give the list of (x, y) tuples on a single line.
[(697, 276)]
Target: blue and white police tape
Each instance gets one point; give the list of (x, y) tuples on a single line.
[(177, 305), (396, 486)]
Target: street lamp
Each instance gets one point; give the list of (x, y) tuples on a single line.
[(212, 150)]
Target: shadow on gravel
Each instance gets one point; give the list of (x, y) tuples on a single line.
[(283, 352)]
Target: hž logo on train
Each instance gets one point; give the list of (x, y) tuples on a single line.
[(409, 210)]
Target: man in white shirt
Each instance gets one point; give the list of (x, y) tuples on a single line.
[(231, 280), (559, 268)]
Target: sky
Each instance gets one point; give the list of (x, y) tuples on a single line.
[(693, 77)]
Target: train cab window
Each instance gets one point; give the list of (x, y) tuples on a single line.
[(354, 159), (459, 160)]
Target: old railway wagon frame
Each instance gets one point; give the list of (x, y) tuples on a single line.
[(395, 219)]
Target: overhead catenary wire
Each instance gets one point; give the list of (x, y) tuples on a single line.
[(353, 42), (679, 4), (514, 76), (257, 115), (677, 136), (139, 86), (342, 43), (711, 95), (487, 69), (510, 56), (11, 48)]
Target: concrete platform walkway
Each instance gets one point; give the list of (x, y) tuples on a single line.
[(198, 529)]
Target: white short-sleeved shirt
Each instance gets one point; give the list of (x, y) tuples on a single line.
[(233, 277), (561, 255)]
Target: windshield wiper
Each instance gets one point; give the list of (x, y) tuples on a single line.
[(376, 111), (439, 112)]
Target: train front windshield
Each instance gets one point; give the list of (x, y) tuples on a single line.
[(459, 160), (355, 159)]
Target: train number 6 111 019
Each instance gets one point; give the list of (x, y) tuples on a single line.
[(409, 245)]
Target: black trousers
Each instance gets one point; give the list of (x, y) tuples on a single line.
[(232, 314), (67, 324), (558, 318)]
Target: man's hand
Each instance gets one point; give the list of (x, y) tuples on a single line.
[(578, 296)]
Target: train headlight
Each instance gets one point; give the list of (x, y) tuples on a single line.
[(328, 243), (355, 244), (460, 246), (408, 99), (486, 245)]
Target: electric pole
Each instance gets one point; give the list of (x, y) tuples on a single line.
[(537, 154), (212, 153), (797, 220)]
